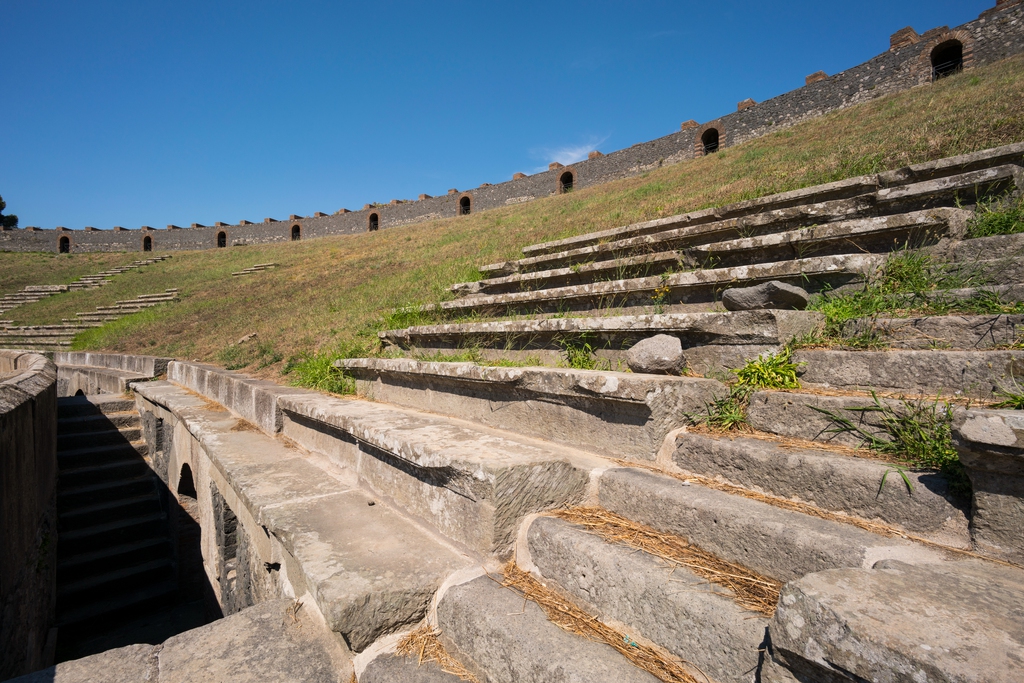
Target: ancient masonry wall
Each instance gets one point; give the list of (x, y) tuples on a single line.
[(28, 513), (996, 34)]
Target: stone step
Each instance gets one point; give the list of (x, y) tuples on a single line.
[(71, 406), (72, 498), (115, 532), (831, 480), (126, 577), (710, 340), (494, 630), (99, 559), (702, 286), (801, 415), (46, 289), (940, 331), (950, 191), (975, 374), (896, 621), (271, 642), (103, 453), (667, 604), (616, 414), (932, 170), (108, 510), (771, 541), (471, 483), (82, 474), (875, 235), (129, 602), (99, 422), (72, 440)]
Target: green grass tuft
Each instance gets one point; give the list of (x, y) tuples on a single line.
[(919, 433), (770, 371)]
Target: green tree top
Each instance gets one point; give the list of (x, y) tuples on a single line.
[(7, 221)]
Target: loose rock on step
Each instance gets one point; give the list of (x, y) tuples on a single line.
[(661, 354), (772, 294)]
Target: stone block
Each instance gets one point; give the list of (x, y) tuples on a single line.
[(370, 570), (957, 622), (799, 415), (769, 295), (689, 617), (394, 669), (832, 481), (507, 638), (661, 354), (616, 414), (272, 643), (771, 541), (940, 331), (991, 448), (978, 374)]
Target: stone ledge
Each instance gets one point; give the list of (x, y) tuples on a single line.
[(473, 485), (902, 622), (616, 414), (96, 380), (927, 171), (666, 604), (255, 400), (842, 483), (978, 374), (686, 287), (779, 543)]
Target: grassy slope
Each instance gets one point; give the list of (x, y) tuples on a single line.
[(18, 270), (333, 290)]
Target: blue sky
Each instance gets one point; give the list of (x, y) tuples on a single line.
[(150, 113)]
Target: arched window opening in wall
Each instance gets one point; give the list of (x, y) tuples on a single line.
[(147, 243), (565, 182), (947, 59), (373, 223), (709, 141), (64, 245), (222, 239), (465, 206), (296, 233), (186, 484)]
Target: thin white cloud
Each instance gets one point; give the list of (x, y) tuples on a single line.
[(567, 154)]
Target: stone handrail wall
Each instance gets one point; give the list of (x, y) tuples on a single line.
[(28, 519), (998, 33)]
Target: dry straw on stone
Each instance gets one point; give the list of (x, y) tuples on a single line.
[(812, 510), (749, 590), (424, 644), (571, 618)]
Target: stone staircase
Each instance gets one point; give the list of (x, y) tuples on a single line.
[(33, 293), (59, 337), (259, 267), (612, 288), (115, 556)]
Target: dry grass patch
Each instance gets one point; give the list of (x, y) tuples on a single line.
[(424, 644), (749, 590), (571, 618)]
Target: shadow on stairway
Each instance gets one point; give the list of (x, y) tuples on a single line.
[(129, 567)]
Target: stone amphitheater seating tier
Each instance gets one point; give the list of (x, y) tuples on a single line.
[(380, 515)]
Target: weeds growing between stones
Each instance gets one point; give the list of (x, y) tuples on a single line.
[(918, 433)]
